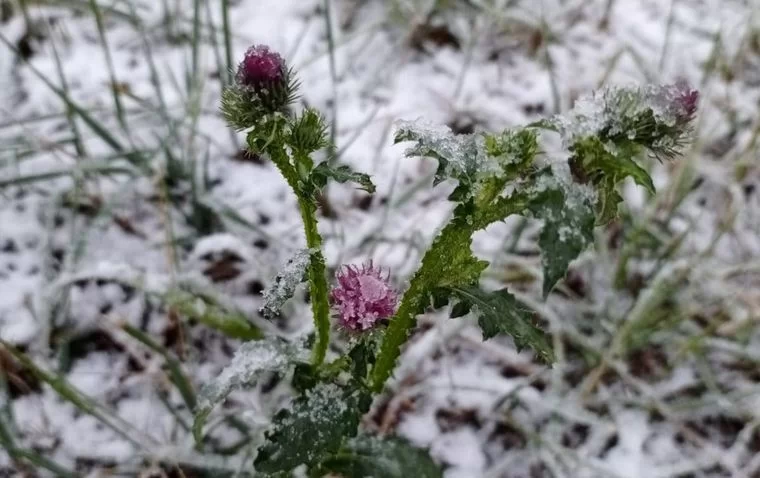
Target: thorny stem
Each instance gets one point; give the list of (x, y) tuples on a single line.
[(442, 255), (455, 235), (317, 281), (403, 321), (318, 288)]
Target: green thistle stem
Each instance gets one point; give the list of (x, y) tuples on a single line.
[(415, 298), (318, 287), (399, 328), (448, 263), (317, 281)]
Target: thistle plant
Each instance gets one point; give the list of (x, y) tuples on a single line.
[(497, 175)]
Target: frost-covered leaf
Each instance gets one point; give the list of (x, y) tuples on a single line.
[(568, 216), (369, 456), (500, 312), (462, 157), (314, 426), (605, 167), (512, 149), (250, 361), (285, 283), (341, 174)]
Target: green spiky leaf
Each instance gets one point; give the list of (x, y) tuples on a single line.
[(605, 168), (362, 357), (313, 427), (500, 312), (598, 161), (568, 230)]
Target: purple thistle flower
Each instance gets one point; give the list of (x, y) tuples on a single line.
[(363, 297), (679, 100), (263, 85), (261, 68), (685, 101)]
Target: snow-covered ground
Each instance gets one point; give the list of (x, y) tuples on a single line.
[(656, 329)]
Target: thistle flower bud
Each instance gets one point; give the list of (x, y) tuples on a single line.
[(655, 117), (261, 68), (363, 297), (263, 85)]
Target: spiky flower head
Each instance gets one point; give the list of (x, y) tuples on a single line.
[(263, 85), (363, 297), (655, 117)]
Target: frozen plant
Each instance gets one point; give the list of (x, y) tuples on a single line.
[(497, 175)]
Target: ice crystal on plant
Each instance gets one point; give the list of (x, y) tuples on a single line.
[(250, 361), (363, 297), (285, 283), (656, 116), (462, 157)]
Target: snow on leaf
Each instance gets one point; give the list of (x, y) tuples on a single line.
[(462, 157), (568, 214), (380, 457), (512, 148), (249, 362), (285, 283), (500, 312), (314, 426)]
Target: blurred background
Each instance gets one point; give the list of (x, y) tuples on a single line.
[(137, 234)]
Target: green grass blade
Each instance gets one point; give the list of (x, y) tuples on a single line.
[(227, 41), (98, 14), (102, 169), (176, 374), (78, 143), (30, 456), (232, 324)]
